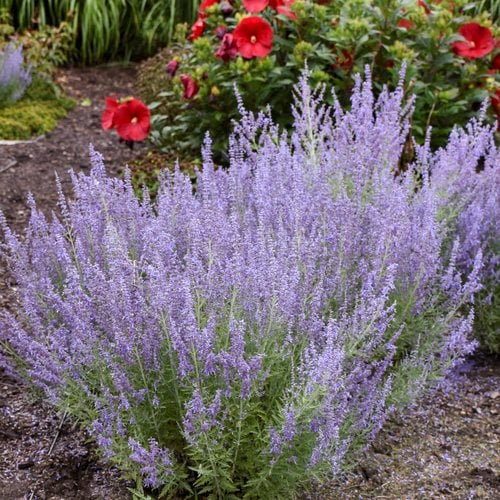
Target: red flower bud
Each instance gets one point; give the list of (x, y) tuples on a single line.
[(197, 29), (283, 7), (226, 8), (228, 49), (495, 64), (171, 67), (406, 24), (190, 87)]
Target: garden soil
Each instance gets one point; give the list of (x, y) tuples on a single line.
[(446, 447)]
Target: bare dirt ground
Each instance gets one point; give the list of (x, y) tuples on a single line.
[(447, 447)]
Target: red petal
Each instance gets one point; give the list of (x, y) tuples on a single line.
[(127, 128), (107, 118), (255, 5)]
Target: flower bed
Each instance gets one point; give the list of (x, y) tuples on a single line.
[(254, 335), (261, 47)]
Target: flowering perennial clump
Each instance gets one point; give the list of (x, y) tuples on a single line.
[(261, 46), (14, 76), (248, 337)]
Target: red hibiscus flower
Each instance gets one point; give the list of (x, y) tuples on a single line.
[(108, 116), (227, 49), (204, 6), (253, 37), (132, 120), (478, 41), (283, 7), (406, 24), (197, 29), (255, 5), (190, 87)]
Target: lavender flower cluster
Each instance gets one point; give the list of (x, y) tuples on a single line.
[(249, 336), (14, 77)]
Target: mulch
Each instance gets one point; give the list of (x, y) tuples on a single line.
[(446, 447)]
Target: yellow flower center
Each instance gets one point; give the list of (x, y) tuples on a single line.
[(253, 39)]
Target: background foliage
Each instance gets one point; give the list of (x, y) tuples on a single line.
[(337, 39), (491, 6), (107, 29), (43, 103), (36, 113)]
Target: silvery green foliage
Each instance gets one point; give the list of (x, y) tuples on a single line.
[(466, 181), (14, 77), (253, 335)]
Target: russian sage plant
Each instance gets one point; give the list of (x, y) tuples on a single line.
[(245, 339), (466, 180), (14, 77)]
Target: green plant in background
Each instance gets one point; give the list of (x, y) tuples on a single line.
[(336, 39), (147, 171), (36, 113), (108, 29), (46, 47), (14, 76), (43, 103), (487, 320), (491, 6)]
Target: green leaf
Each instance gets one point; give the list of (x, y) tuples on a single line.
[(448, 95)]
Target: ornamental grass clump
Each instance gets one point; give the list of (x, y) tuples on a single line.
[(250, 337), (14, 76)]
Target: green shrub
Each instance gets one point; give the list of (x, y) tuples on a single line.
[(487, 320), (153, 79), (336, 39), (146, 171), (45, 48), (35, 114)]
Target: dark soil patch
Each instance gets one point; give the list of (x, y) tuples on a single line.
[(28, 427), (447, 447)]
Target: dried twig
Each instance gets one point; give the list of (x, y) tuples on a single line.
[(28, 141), (9, 165), (52, 445)]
